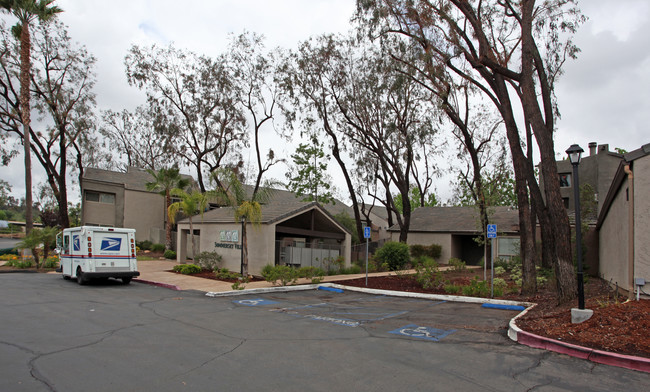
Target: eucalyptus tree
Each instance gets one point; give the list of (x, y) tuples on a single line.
[(164, 181), (388, 115), (27, 11), (197, 102), (311, 76), (136, 139), (512, 51), (62, 81), (259, 92)]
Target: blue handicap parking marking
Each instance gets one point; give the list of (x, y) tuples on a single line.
[(254, 302), (419, 332)]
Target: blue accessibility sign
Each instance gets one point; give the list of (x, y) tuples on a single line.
[(492, 231), (366, 232)]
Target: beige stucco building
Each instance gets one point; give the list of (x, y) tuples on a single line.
[(290, 233), (121, 199), (624, 223), (454, 228)]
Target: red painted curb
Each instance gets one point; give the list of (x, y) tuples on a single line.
[(159, 284), (598, 356)]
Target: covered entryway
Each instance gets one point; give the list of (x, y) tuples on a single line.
[(309, 239)]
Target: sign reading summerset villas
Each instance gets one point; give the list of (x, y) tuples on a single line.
[(230, 237)]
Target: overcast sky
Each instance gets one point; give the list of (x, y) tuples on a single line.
[(603, 96)]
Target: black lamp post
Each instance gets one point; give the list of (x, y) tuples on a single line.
[(241, 241), (575, 152)]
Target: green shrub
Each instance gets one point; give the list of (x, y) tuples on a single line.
[(353, 269), (499, 283), (499, 270), (208, 260), (394, 254), (158, 247), (457, 264), (170, 254), (187, 269), (224, 274), (333, 264), (51, 262), (427, 274), (144, 245), (434, 251), (283, 273), (312, 273), (452, 289), (477, 288), (27, 263)]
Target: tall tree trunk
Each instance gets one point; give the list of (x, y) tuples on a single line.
[(168, 222), (25, 70), (542, 125)]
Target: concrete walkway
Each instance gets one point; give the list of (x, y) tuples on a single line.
[(158, 272)]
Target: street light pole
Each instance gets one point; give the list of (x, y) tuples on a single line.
[(574, 153), (241, 240)]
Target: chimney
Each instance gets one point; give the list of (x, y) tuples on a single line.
[(592, 148)]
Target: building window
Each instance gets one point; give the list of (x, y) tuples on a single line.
[(100, 197), (565, 180), (508, 247)]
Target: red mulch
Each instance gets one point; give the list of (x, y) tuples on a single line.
[(615, 326)]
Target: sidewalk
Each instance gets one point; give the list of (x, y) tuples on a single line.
[(157, 272)]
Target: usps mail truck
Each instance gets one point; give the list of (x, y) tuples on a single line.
[(90, 252)]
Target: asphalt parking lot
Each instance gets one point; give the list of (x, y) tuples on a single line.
[(58, 336)]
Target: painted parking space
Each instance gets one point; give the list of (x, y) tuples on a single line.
[(421, 332), (406, 318), (255, 302)]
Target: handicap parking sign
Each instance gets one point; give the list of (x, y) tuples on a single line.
[(366, 232), (492, 231)]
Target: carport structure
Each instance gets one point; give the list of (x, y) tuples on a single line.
[(292, 233)]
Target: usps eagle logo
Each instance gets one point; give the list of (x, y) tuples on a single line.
[(75, 243), (111, 244)]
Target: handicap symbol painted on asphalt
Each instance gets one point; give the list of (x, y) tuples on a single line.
[(418, 332), (255, 302)]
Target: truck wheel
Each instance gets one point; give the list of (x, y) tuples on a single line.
[(66, 277), (126, 280), (81, 279)]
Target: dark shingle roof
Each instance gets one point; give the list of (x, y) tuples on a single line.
[(460, 220), (134, 179)]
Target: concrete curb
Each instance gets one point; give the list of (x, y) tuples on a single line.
[(603, 357), (264, 290), (159, 284)]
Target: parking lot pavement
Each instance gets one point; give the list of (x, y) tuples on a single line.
[(387, 316), (58, 336)]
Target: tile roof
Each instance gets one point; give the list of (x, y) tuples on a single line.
[(460, 220)]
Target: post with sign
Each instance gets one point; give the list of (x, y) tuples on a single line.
[(366, 235), (492, 233)]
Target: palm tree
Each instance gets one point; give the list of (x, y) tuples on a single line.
[(232, 192), (164, 180), (27, 11), (191, 203)]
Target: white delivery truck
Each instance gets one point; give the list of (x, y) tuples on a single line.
[(89, 252)]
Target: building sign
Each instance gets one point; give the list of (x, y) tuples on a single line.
[(227, 245), (229, 235)]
